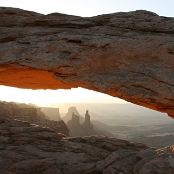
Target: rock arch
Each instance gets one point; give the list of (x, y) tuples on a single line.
[(126, 55)]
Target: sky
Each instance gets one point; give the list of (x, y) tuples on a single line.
[(92, 7), (48, 97), (85, 8)]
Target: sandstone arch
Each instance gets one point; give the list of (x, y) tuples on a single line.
[(126, 55)]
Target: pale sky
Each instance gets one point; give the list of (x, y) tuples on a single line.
[(85, 8), (46, 97), (92, 7)]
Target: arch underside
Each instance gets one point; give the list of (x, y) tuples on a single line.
[(126, 55)]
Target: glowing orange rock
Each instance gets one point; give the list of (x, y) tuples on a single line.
[(126, 55)]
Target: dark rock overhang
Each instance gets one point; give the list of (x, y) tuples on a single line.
[(126, 55)]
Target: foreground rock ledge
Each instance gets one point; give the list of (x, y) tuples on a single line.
[(126, 55), (27, 148)]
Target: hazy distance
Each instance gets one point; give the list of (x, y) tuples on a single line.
[(105, 108)]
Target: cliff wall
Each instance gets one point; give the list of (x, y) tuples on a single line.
[(32, 115)]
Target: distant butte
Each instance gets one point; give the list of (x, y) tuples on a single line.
[(126, 55)]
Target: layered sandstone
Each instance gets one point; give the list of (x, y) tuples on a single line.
[(33, 115), (20, 110), (126, 55), (27, 148)]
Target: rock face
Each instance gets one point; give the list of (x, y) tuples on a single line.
[(32, 115), (22, 111), (87, 124), (26, 148), (57, 126), (126, 55), (53, 113), (77, 129)]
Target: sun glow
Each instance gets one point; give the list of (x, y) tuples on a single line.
[(46, 97)]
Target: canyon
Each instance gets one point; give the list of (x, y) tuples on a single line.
[(33, 115), (27, 148), (32, 145), (126, 55)]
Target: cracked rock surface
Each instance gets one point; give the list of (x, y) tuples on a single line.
[(27, 148), (126, 55)]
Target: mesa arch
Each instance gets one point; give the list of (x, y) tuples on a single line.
[(126, 55)]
